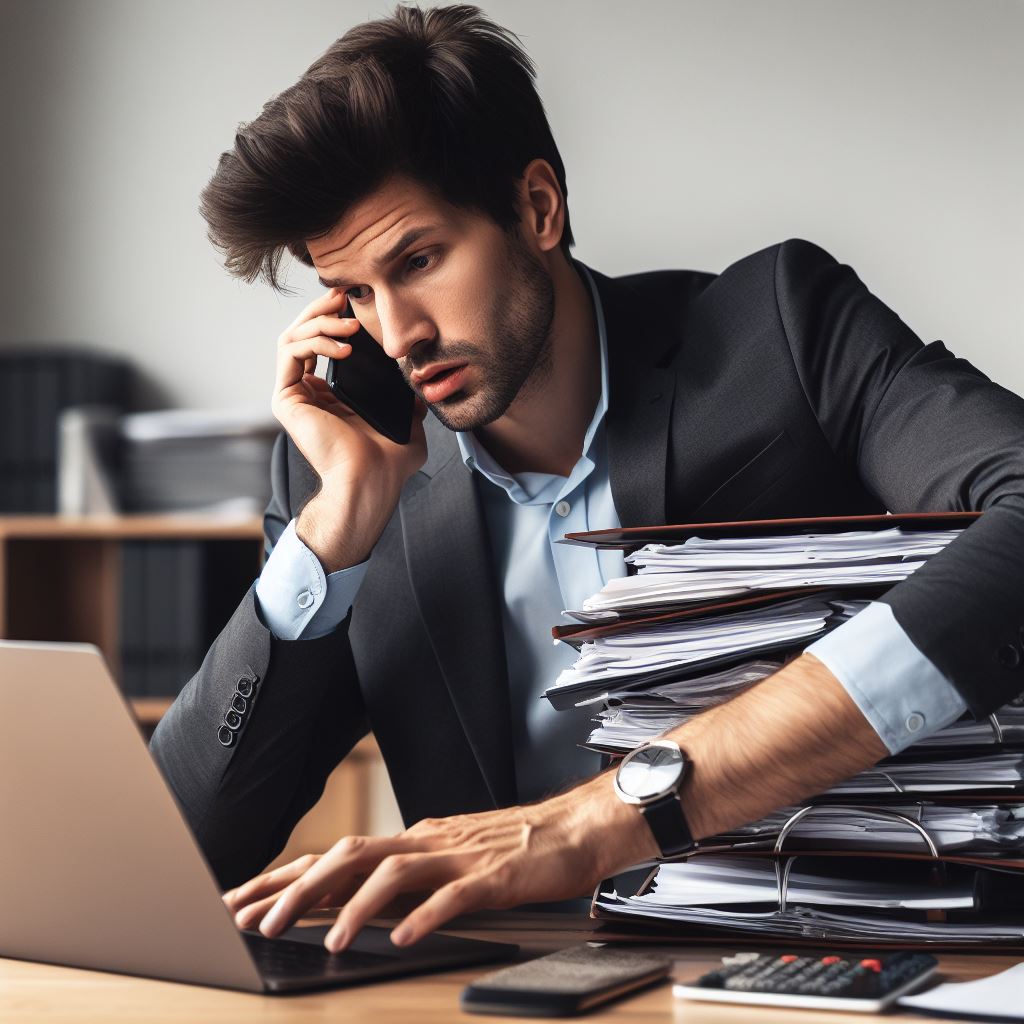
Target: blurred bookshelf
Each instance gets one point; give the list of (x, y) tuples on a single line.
[(77, 579), (63, 578)]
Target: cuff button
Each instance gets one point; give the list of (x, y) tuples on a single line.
[(239, 704), (245, 686), (233, 720), (305, 599), (914, 722), (226, 736)]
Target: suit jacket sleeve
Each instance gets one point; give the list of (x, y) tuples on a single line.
[(925, 431), (306, 713)]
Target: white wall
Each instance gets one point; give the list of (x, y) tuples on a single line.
[(888, 131)]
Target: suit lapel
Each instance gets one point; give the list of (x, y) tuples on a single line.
[(452, 573), (639, 403), (449, 553)]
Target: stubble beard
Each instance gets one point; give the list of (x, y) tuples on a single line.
[(518, 359)]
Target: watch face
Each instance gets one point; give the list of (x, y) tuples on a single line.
[(650, 772)]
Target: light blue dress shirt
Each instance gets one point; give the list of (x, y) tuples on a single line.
[(899, 691)]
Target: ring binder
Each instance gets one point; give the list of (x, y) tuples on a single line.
[(782, 871), (997, 728), (888, 778)]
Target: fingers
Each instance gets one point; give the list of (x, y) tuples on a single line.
[(316, 391), (328, 325), (398, 873), (295, 358), (331, 301), (249, 917), (333, 873), (268, 883), (316, 331), (460, 896)]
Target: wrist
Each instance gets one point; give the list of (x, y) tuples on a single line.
[(323, 528), (616, 835)]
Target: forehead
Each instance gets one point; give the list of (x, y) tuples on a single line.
[(376, 223)]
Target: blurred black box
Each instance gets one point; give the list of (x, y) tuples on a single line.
[(36, 383)]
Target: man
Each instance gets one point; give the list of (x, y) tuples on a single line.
[(409, 589)]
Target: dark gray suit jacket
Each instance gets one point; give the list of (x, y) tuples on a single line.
[(781, 387)]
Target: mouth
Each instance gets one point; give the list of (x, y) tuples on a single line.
[(438, 382), (433, 373)]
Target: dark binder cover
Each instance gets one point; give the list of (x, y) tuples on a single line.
[(189, 602), (133, 619), (997, 897), (579, 633), (630, 538)]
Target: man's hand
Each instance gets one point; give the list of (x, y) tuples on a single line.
[(362, 472), (552, 850), (793, 735)]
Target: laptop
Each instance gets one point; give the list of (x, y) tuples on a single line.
[(98, 868)]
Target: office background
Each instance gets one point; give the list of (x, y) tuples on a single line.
[(694, 133), (888, 131)]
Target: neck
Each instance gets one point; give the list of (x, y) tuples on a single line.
[(544, 428)]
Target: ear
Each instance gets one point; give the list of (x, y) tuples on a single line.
[(541, 205)]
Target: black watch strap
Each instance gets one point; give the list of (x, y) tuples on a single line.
[(668, 823)]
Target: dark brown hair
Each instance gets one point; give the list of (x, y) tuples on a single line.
[(444, 96)]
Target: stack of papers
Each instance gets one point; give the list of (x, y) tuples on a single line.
[(1005, 726), (820, 927), (983, 829), (668, 642), (627, 718), (712, 880), (982, 773), (648, 654), (711, 569)]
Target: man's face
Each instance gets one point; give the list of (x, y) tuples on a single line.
[(465, 308)]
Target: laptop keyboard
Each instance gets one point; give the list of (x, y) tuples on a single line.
[(284, 958)]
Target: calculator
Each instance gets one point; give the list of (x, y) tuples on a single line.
[(857, 984)]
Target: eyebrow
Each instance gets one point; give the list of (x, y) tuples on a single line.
[(411, 236)]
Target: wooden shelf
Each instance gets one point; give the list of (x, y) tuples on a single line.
[(60, 580), (149, 710), (60, 576), (170, 527)]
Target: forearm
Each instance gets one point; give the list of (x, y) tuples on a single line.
[(793, 735)]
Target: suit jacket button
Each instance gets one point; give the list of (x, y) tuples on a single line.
[(233, 720), (225, 735), (1009, 656), (245, 686), (239, 704)]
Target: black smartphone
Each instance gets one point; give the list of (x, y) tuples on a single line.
[(370, 383), (564, 984)]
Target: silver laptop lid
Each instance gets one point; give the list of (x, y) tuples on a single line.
[(97, 866)]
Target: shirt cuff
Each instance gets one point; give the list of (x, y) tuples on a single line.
[(296, 600), (898, 690)]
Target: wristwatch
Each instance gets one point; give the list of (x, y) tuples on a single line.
[(650, 777)]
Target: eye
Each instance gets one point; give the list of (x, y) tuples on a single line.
[(428, 257), (361, 297)]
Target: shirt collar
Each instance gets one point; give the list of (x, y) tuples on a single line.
[(475, 456)]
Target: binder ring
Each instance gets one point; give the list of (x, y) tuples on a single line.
[(888, 778), (997, 728), (782, 871)]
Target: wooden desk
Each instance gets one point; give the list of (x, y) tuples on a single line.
[(40, 994)]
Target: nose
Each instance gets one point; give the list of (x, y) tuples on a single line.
[(403, 325)]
